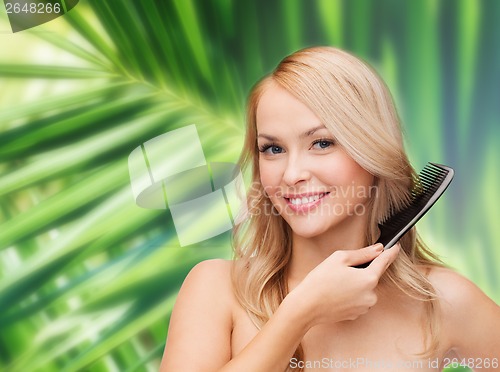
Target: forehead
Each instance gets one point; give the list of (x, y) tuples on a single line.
[(280, 110)]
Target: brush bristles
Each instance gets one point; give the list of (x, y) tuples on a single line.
[(426, 184), (430, 179)]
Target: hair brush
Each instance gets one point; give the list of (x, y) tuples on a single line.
[(432, 182)]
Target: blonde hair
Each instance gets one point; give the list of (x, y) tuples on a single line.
[(353, 102)]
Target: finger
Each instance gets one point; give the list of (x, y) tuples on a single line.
[(384, 260), (359, 256)]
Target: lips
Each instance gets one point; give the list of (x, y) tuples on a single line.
[(304, 202)]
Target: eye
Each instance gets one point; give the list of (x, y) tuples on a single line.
[(323, 144), (271, 149)]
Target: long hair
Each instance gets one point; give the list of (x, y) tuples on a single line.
[(355, 105)]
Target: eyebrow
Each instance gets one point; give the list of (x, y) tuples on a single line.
[(307, 133)]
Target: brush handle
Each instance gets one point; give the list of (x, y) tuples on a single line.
[(387, 240), (382, 239)]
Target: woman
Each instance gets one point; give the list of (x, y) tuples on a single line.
[(326, 150)]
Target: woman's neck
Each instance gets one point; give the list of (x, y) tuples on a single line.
[(307, 253)]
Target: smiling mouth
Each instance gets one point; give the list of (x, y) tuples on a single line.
[(305, 200)]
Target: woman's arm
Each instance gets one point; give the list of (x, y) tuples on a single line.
[(199, 337), (471, 321)]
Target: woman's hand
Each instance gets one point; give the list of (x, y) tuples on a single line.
[(335, 291)]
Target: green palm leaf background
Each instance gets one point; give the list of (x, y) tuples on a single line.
[(87, 278)]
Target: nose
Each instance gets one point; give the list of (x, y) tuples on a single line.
[(296, 171)]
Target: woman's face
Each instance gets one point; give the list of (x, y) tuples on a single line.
[(311, 181)]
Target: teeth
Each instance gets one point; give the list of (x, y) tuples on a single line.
[(305, 200)]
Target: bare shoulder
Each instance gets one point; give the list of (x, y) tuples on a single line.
[(449, 283), (470, 319), (209, 278), (215, 269), (454, 289), (201, 320)]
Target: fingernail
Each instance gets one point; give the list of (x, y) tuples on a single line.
[(378, 247)]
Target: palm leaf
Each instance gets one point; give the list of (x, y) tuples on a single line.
[(74, 248)]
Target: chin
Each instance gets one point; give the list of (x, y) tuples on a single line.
[(307, 229), (314, 226)]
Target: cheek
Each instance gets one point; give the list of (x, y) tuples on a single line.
[(351, 179), (269, 177), (354, 174)]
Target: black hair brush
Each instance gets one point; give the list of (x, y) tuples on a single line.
[(431, 184)]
